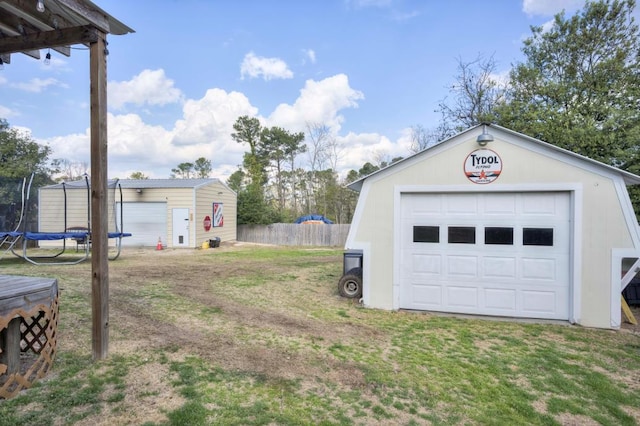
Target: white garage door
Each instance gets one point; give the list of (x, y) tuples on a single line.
[(146, 221), (504, 254)]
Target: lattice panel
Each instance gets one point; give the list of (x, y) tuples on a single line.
[(39, 336), (33, 333)]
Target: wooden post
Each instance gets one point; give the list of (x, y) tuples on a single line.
[(10, 344), (99, 205)]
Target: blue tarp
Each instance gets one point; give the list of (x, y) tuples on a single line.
[(313, 218)]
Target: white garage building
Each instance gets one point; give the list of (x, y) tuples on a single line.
[(492, 222)]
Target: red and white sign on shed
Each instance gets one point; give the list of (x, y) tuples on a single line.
[(218, 216)]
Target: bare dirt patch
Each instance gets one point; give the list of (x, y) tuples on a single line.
[(272, 336), (627, 326), (194, 280)]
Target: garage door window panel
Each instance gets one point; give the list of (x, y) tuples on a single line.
[(537, 237), (498, 235), (426, 234), (462, 235)]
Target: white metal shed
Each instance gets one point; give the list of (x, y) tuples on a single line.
[(178, 212)]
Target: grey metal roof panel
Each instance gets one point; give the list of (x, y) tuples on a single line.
[(74, 184), (166, 183), (143, 183)]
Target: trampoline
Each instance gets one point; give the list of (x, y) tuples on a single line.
[(81, 235)]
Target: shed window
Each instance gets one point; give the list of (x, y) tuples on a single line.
[(498, 235), (462, 235), (426, 234), (537, 236)]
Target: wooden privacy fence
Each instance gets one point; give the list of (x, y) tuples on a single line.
[(291, 234)]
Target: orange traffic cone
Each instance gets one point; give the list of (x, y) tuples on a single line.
[(159, 245)]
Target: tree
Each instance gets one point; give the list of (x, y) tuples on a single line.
[(253, 207), (366, 169), (202, 168), (279, 147), (182, 171), (318, 141), (346, 202), (473, 99), (323, 153), (252, 210), (70, 170), (237, 180), (476, 93), (579, 87), (20, 156), (422, 138), (293, 148), (248, 130), (138, 175)]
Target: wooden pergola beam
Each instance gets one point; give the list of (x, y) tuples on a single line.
[(95, 15), (46, 39)]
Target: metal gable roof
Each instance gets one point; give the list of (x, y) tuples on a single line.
[(629, 178)]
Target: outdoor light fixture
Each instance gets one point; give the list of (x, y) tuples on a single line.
[(47, 58), (40, 6), (484, 138)]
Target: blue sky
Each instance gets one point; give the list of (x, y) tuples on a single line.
[(369, 69)]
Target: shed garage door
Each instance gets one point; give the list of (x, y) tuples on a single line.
[(145, 221), (504, 254)]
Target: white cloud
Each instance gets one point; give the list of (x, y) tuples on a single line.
[(37, 85), (547, 26), (363, 147), (501, 78), (210, 120), (550, 7), (133, 144), (268, 68), (74, 147), (150, 87), (319, 102), (6, 112), (205, 128), (310, 54), (369, 3), (23, 131), (203, 131), (405, 16)]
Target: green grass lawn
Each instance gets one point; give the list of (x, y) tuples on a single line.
[(259, 336)]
